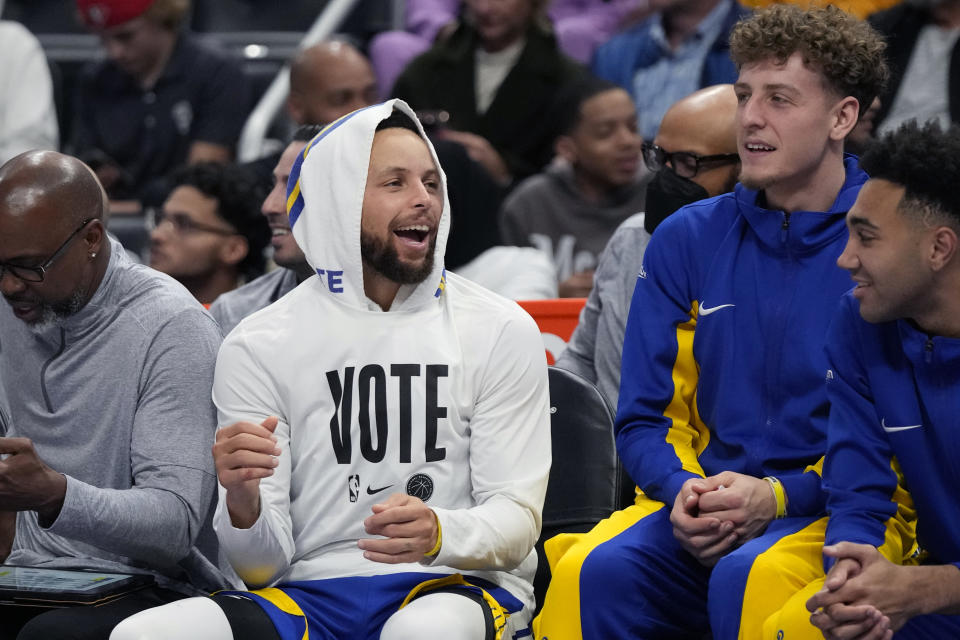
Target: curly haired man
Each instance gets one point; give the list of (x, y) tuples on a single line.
[(723, 412)]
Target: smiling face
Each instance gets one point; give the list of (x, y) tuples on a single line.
[(604, 147), (286, 251), (886, 255), (402, 204), (788, 125)]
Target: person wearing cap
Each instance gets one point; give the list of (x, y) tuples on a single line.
[(160, 99)]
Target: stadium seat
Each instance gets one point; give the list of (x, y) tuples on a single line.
[(586, 482)]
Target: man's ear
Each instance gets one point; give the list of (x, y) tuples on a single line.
[(566, 148), (845, 115), (943, 249), (93, 236), (234, 249)]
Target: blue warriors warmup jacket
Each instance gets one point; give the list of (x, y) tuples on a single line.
[(723, 359), (895, 398)]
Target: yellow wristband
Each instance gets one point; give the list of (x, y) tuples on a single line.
[(780, 495), (436, 547)]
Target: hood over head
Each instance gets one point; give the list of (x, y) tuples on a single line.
[(325, 202)]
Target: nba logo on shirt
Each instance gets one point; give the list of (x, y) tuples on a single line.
[(353, 484)]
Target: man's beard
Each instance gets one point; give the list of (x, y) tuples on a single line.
[(754, 184), (383, 257), (53, 313)]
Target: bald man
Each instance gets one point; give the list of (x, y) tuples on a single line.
[(701, 125), (106, 367), (328, 80)]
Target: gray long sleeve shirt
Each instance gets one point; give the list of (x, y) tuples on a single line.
[(595, 348), (117, 398)]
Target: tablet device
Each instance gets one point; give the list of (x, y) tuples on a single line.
[(40, 586)]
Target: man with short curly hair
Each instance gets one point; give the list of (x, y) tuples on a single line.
[(722, 408)]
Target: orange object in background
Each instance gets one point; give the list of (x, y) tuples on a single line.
[(557, 319)]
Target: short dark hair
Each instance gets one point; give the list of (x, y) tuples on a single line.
[(398, 120), (571, 99), (926, 162), (848, 52), (239, 195)]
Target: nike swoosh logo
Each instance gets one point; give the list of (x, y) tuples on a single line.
[(371, 492), (883, 423), (705, 311)]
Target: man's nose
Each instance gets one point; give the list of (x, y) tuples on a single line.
[(9, 283)]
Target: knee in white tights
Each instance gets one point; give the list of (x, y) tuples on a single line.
[(188, 618), (436, 616)]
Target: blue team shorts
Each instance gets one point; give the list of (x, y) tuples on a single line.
[(358, 607)]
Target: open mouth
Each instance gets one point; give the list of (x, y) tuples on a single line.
[(280, 231), (22, 308), (416, 233), (756, 147)]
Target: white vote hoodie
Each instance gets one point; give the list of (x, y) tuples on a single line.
[(443, 397)]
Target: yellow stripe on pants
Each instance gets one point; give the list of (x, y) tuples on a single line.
[(560, 617)]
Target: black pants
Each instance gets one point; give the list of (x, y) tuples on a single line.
[(78, 623)]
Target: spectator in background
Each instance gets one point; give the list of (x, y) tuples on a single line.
[(683, 47), (702, 125), (107, 368), (329, 80), (580, 26), (209, 233), (570, 211), (28, 116), (233, 306), (923, 39), (498, 77), (161, 99)]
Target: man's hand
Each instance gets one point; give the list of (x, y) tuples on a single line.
[(576, 286), (243, 454), (865, 595), (27, 483), (842, 622), (410, 528), (482, 152), (748, 502), (705, 537)]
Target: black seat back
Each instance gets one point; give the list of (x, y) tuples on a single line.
[(586, 482)]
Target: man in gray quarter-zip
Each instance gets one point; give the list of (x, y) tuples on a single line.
[(106, 368)]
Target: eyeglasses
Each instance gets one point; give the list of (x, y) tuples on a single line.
[(685, 164), (36, 274), (185, 225)]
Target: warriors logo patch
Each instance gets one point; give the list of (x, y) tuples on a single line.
[(420, 485)]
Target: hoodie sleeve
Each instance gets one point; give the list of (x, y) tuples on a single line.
[(243, 390), (659, 434), (509, 457), (866, 501)]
